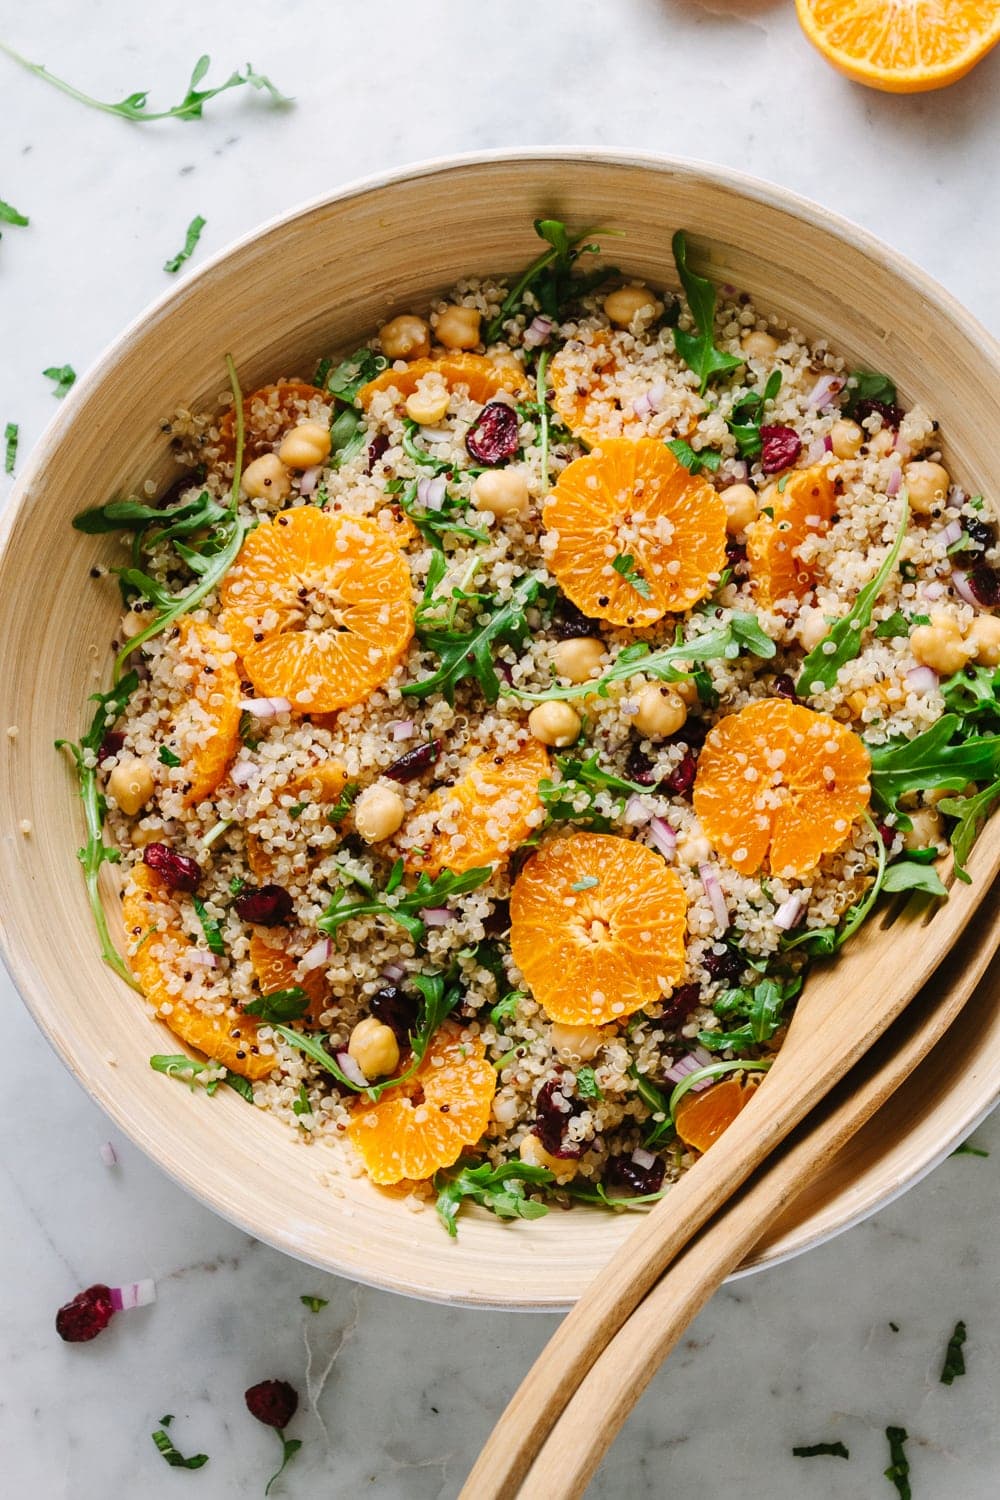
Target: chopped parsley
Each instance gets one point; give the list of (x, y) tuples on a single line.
[(191, 239), (500, 1189), (175, 1459), (697, 349), (64, 377), (301, 1105), (10, 215), (405, 908), (314, 1304), (954, 1359), (280, 1005), (469, 653), (899, 1465), (11, 433), (817, 1450), (625, 566)]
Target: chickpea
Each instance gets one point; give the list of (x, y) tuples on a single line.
[(740, 501), (575, 1044), (504, 492), (305, 446), (131, 785), (374, 1047), (927, 486), (554, 723), (406, 337), (883, 443), (846, 437), (686, 688), (662, 711), (939, 645), (378, 813), (428, 403), (693, 847), (580, 658), (811, 627), (984, 638), (926, 830), (131, 625), (621, 307), (534, 1153), (458, 327), (759, 345), (267, 479)]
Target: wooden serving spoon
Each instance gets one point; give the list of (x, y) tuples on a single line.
[(845, 1007)]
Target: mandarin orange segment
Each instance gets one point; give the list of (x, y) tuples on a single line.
[(482, 378), (226, 1036), (802, 510), (206, 731), (276, 969), (597, 928), (426, 1124), (701, 1118), (903, 48), (779, 782), (593, 393), (319, 608), (483, 817), (268, 414), (632, 534)]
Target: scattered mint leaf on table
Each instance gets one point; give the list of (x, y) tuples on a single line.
[(11, 435), (954, 1359), (191, 239), (899, 1465), (816, 1450), (10, 215), (314, 1304), (64, 377), (175, 1459)]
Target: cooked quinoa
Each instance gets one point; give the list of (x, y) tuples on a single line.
[(580, 1103)]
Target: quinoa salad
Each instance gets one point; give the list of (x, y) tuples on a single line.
[(504, 716)]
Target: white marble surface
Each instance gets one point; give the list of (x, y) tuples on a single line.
[(801, 1353)]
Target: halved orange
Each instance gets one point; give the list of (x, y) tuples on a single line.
[(701, 1118), (632, 534), (597, 927), (275, 967), (482, 378), (228, 1037), (902, 46), (426, 1124), (779, 782), (804, 508), (321, 783), (206, 732), (268, 414), (319, 608), (589, 397), (483, 817)]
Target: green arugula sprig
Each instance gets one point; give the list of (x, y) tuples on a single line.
[(345, 380), (167, 1450), (971, 813), (763, 1005), (741, 633), (599, 1195), (550, 277), (820, 668), (64, 377), (942, 758), (11, 434), (10, 215), (500, 1189), (289, 1448), (187, 1070), (133, 106), (974, 694), (469, 653), (748, 413), (210, 927), (434, 525), (191, 239), (697, 349), (404, 909)]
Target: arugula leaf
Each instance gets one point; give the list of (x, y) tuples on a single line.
[(971, 813), (931, 762), (697, 349), (175, 1459), (469, 653), (589, 773), (314, 1304), (913, 875), (403, 909), (748, 414), (289, 1448), (763, 1006), (572, 799), (820, 668), (133, 106), (624, 565), (868, 385), (974, 693), (63, 375), (209, 926), (347, 437), (239, 1085), (11, 433), (280, 1005), (500, 1189), (692, 461), (899, 1465), (191, 239), (187, 1070), (815, 1450), (954, 1359), (10, 215), (179, 519), (550, 277), (899, 625)]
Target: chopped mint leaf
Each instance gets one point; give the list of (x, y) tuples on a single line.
[(314, 1304), (175, 1459), (587, 1086), (747, 416), (10, 215), (624, 565), (868, 385), (965, 1149), (815, 1450), (280, 1005), (191, 239), (211, 928), (694, 462), (954, 1359), (586, 884), (899, 1465), (11, 433), (63, 375), (166, 756), (301, 1105)]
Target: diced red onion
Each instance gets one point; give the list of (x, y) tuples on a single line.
[(537, 332), (201, 960), (437, 916), (713, 890), (922, 680), (951, 533), (394, 973), (133, 1294), (642, 406), (825, 391), (789, 912), (960, 580), (895, 480), (432, 492), (109, 1155), (318, 955), (350, 1069), (690, 1063), (663, 836), (637, 812), (310, 479), (402, 729), (643, 1158), (651, 400), (245, 772), (265, 708)]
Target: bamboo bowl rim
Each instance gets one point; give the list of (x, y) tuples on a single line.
[(938, 1130)]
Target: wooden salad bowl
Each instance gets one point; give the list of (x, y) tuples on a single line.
[(313, 283)]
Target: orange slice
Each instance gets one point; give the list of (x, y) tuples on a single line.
[(597, 928), (275, 968), (634, 505), (321, 783), (318, 606), (779, 782), (902, 46), (227, 1036), (481, 377), (483, 817), (206, 732), (429, 1121), (804, 508), (590, 397), (267, 415), (701, 1118)]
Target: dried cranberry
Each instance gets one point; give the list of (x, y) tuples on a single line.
[(979, 532), (681, 779), (497, 924), (268, 906), (414, 762), (493, 436), (624, 1177), (86, 1316), (890, 413), (984, 582), (378, 446), (178, 871), (273, 1402), (693, 734), (396, 1009), (112, 742), (726, 968), (638, 767), (551, 1120), (736, 557), (891, 838), (784, 687), (679, 1006), (570, 623), (780, 447)]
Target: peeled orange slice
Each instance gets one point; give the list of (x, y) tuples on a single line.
[(779, 782), (483, 817), (319, 608), (632, 534), (426, 1124), (268, 414), (597, 928), (804, 508), (481, 377), (902, 46), (206, 731), (701, 1118), (228, 1037), (275, 968)]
